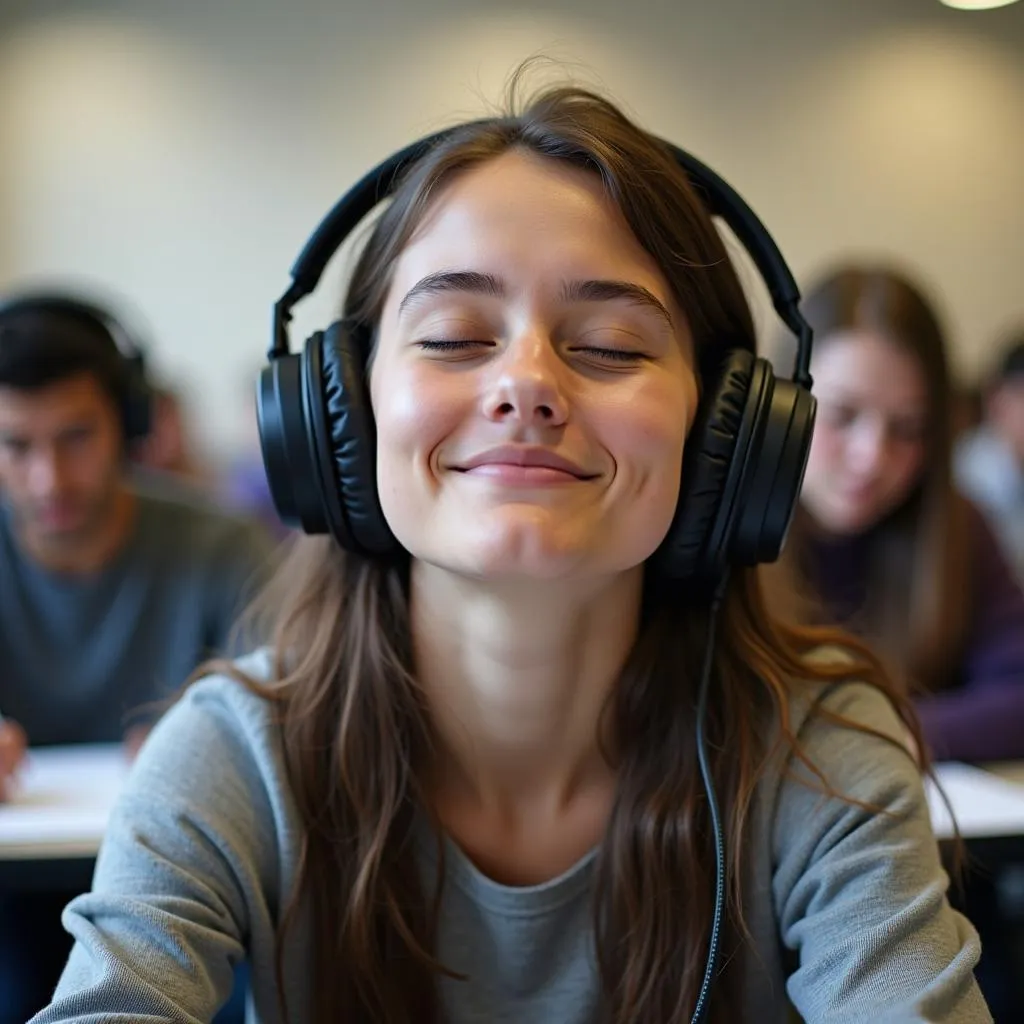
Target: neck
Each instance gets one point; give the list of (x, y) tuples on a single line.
[(95, 548), (517, 678)]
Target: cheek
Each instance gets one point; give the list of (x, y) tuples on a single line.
[(826, 451), (907, 466), (412, 419), (103, 454), (647, 440)]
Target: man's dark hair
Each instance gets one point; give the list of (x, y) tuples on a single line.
[(1011, 361), (41, 346)]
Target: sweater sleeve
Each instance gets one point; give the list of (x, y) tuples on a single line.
[(187, 855), (983, 718), (860, 894)]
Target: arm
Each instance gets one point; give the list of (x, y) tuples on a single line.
[(861, 895), (186, 856), (983, 718)]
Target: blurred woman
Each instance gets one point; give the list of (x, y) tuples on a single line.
[(882, 536)]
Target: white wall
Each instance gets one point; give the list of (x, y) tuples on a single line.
[(180, 152)]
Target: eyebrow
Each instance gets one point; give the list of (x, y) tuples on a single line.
[(617, 291), (572, 291), (453, 281)]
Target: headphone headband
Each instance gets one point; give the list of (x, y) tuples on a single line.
[(51, 302), (721, 199), (745, 455)]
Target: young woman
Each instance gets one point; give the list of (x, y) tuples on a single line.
[(883, 536), (464, 782)]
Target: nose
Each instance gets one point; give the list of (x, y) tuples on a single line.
[(44, 472), (868, 448), (528, 388)]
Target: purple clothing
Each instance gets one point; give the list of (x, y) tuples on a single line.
[(246, 490), (981, 716)]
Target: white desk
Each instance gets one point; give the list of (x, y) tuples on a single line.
[(61, 803), (986, 805), (65, 795)]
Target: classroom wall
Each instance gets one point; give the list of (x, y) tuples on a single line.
[(180, 152)]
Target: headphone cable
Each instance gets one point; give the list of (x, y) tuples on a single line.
[(701, 1009)]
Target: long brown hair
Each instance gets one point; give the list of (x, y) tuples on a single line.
[(355, 727), (918, 556)]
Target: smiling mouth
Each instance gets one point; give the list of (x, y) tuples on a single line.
[(515, 473), (511, 462)]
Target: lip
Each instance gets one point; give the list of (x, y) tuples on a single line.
[(523, 457), (58, 516)]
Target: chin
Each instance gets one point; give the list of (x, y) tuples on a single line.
[(851, 522), (524, 555), (518, 558)]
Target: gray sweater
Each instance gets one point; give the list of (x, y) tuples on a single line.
[(83, 655), (201, 853)]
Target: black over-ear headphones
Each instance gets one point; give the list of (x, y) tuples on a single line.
[(745, 456), (136, 394)]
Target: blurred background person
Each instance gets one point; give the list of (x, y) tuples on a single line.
[(883, 543), (883, 539), (109, 595), (990, 459), (169, 447)]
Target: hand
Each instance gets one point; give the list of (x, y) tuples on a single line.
[(13, 743)]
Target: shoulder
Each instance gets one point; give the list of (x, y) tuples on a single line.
[(841, 764), (853, 868), (812, 698), (219, 729), (845, 738), (239, 708), (206, 826), (990, 569)]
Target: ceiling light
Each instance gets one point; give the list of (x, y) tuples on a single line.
[(976, 5)]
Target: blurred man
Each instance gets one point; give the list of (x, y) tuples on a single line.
[(990, 459), (109, 596)]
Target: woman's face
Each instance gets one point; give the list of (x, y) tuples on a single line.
[(533, 382), (869, 445)]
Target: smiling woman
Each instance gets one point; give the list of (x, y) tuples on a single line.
[(536, 369), (494, 765)]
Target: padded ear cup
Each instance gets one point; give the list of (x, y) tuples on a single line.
[(289, 455), (769, 498), (341, 418), (138, 401), (728, 420)]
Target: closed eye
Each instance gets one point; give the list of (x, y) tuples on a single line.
[(622, 355), (449, 345)]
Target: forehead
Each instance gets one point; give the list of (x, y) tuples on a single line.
[(73, 399), (866, 367), (531, 215)]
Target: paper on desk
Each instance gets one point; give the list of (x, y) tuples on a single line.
[(62, 801), (984, 804)]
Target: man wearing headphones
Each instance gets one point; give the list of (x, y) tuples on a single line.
[(109, 596)]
